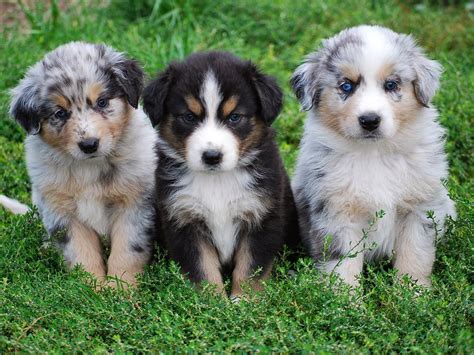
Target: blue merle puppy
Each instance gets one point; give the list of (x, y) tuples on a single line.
[(372, 142), (90, 156)]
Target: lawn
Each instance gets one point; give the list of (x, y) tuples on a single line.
[(45, 308)]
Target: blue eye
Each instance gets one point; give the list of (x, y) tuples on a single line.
[(188, 118), (346, 87), (391, 85), (61, 114), (102, 103), (234, 118)]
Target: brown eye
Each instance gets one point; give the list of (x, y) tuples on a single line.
[(102, 103)]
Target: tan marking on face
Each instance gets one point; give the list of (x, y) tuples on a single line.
[(229, 105), (350, 72), (60, 101), (166, 131), (333, 113), (62, 140), (385, 71), (94, 91), (242, 270), (255, 136), (194, 105), (114, 127), (210, 265), (408, 108), (87, 249)]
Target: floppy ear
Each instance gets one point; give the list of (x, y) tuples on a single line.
[(427, 78), (129, 75), (269, 94), (306, 82), (25, 108), (155, 95)]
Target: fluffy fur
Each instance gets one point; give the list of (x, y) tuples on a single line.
[(371, 142), (90, 156), (224, 196)]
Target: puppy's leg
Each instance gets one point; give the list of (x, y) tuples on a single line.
[(344, 255), (415, 249), (256, 251), (130, 247), (197, 257), (82, 246), (244, 268), (210, 265)]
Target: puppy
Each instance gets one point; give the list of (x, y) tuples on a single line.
[(90, 156), (224, 198), (371, 142)]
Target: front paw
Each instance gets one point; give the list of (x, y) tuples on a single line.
[(121, 280)]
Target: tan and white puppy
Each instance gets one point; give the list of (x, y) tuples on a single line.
[(90, 156), (371, 142)]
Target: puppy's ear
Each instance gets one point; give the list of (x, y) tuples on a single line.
[(426, 83), (129, 75), (306, 82), (269, 94), (155, 95), (25, 107)]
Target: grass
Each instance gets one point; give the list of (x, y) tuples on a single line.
[(45, 308)]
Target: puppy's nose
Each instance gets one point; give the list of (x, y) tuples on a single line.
[(89, 145), (212, 157), (369, 121)]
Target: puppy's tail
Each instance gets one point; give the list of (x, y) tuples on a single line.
[(13, 205)]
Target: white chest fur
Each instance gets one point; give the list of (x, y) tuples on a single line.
[(221, 199)]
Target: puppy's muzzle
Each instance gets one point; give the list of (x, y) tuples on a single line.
[(212, 157), (89, 145), (369, 121)]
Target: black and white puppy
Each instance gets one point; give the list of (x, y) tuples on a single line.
[(371, 142), (90, 156), (224, 196)]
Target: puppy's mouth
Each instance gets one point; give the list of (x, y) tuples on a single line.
[(213, 169), (87, 157), (370, 136), (209, 169)]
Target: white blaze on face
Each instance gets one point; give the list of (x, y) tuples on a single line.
[(210, 134), (373, 99), (376, 53)]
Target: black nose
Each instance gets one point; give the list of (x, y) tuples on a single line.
[(212, 157), (89, 145), (369, 121)]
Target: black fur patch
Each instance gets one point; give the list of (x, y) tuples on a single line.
[(27, 112), (138, 248), (129, 76)]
